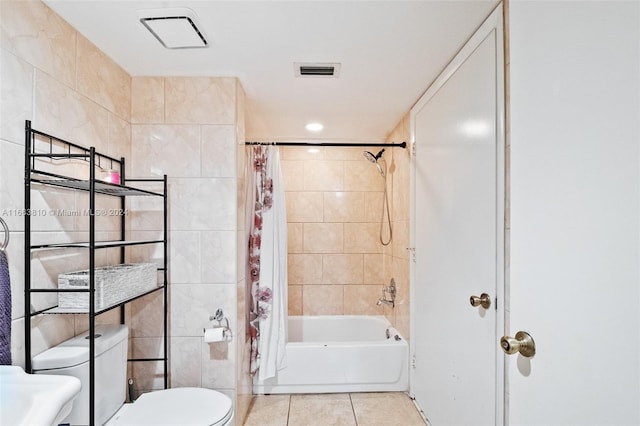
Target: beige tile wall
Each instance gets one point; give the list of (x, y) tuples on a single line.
[(334, 201), (244, 388), (200, 145), (54, 76), (48, 75)]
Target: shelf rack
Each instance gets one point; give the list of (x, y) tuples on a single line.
[(42, 146)]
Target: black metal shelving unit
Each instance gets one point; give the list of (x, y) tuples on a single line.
[(42, 146)]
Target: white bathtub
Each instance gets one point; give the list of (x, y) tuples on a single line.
[(341, 354)]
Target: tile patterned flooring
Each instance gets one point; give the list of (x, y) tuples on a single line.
[(348, 409)]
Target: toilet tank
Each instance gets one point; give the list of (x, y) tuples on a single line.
[(71, 358)]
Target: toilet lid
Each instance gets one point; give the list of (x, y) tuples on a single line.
[(178, 406)]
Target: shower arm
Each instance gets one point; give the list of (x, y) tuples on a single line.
[(352, 144)]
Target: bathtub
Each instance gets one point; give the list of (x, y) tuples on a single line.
[(340, 354)]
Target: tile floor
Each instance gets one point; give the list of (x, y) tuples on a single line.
[(348, 409)]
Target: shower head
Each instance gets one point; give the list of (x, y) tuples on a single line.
[(369, 156), (374, 159)]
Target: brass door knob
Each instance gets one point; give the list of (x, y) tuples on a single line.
[(522, 343), (484, 300)]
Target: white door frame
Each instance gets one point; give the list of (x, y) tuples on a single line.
[(493, 23)]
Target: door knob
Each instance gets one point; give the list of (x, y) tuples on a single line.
[(522, 343), (484, 300)]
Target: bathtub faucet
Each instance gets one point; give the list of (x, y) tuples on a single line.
[(391, 290), (385, 301)]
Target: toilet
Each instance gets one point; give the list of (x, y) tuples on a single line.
[(177, 406)]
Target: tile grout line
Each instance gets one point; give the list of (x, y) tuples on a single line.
[(289, 410), (353, 410)]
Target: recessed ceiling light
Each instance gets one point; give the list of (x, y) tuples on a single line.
[(314, 127), (175, 28)]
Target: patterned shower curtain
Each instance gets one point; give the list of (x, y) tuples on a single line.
[(267, 253)]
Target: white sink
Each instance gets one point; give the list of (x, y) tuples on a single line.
[(34, 399)]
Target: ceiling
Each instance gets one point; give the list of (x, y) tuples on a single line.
[(389, 51)]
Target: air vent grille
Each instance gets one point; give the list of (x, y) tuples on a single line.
[(327, 71), (316, 70)]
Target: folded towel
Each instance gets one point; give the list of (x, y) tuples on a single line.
[(5, 310)]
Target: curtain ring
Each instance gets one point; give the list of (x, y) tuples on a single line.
[(6, 234)]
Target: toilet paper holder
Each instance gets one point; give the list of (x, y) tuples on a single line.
[(219, 317)]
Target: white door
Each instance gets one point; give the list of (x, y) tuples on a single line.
[(458, 237), (575, 192)]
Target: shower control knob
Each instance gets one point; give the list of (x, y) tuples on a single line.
[(522, 343), (484, 300)]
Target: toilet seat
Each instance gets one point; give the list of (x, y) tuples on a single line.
[(177, 406)]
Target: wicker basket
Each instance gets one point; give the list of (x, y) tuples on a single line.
[(113, 284)]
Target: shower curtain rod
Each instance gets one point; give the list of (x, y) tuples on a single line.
[(400, 145)]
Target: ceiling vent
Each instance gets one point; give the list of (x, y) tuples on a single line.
[(317, 69), (175, 28)]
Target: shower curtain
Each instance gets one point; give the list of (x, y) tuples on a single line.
[(267, 256)]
